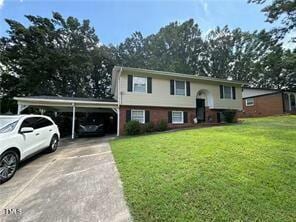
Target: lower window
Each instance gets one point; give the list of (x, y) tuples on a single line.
[(138, 115), (177, 117), (250, 102)]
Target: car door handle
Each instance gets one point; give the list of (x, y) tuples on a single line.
[(37, 134), (50, 130)]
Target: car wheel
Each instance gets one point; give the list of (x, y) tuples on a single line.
[(9, 161), (53, 144)]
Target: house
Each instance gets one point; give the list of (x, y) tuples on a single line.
[(181, 100), (152, 96), (267, 102)]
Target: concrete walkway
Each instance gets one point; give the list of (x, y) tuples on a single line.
[(79, 182)]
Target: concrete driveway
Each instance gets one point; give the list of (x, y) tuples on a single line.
[(79, 182)]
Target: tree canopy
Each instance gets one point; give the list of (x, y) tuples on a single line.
[(54, 56), (63, 56), (283, 10)]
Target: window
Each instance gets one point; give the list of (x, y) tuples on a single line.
[(42, 122), (139, 84), (180, 88), (227, 92), (30, 122), (250, 102), (138, 115), (177, 117)]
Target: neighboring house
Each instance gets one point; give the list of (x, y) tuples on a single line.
[(267, 102), (152, 96)]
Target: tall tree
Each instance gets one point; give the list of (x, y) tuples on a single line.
[(54, 56), (284, 10), (176, 47)]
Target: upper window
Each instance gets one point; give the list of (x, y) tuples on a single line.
[(177, 117), (227, 92), (140, 84), (250, 102), (180, 87), (138, 115)]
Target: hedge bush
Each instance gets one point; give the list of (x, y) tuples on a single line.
[(133, 127), (149, 127), (229, 116), (162, 125)]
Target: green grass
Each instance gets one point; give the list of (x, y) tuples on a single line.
[(242, 172)]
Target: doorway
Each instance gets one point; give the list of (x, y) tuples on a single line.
[(200, 110)]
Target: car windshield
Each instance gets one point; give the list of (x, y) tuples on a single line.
[(7, 124), (91, 121)]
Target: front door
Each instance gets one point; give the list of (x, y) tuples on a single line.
[(200, 110)]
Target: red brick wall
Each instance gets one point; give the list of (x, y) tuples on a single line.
[(267, 105), (161, 113)]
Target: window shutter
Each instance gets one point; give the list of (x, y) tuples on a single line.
[(185, 116), (149, 85), (233, 92), (147, 116), (128, 116), (170, 116), (188, 88), (130, 83), (172, 87), (221, 92)]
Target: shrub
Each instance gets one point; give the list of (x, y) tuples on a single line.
[(133, 128), (149, 127), (162, 125), (229, 116)]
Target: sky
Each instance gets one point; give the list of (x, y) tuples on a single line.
[(115, 20)]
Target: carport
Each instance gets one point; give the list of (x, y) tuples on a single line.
[(69, 104)]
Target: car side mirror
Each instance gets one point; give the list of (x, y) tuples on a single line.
[(26, 130)]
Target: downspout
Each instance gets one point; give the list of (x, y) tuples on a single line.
[(118, 102), (73, 120)]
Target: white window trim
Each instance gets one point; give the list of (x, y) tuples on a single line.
[(250, 104), (182, 122), (231, 96), (144, 77), (175, 87), (137, 110)]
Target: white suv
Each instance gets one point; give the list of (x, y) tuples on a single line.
[(22, 136)]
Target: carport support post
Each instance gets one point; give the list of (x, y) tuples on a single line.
[(73, 120), (118, 119)]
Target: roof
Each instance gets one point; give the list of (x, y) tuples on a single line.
[(58, 101), (118, 69), (260, 88), (69, 98), (266, 94)]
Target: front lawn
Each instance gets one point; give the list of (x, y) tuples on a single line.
[(243, 172)]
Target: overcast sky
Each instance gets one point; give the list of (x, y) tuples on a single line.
[(115, 20)]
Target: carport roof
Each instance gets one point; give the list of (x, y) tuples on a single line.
[(57, 101), (67, 98)]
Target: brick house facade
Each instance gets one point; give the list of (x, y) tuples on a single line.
[(157, 114), (275, 102), (181, 100)]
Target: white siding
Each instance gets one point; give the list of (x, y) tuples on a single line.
[(160, 95)]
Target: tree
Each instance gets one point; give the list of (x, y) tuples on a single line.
[(284, 10), (176, 47), (54, 56)]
